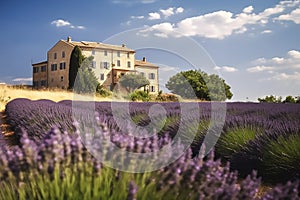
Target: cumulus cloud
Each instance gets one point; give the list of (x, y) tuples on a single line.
[(168, 12), (179, 10), (154, 16), (285, 76), (226, 69), (64, 23), (218, 24), (293, 16), (61, 23), (279, 68), (248, 9)]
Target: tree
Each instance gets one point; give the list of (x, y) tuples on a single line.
[(75, 63), (198, 84), (133, 81), (289, 99), (86, 81), (270, 99)]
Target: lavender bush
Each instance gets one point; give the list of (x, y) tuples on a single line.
[(261, 137)]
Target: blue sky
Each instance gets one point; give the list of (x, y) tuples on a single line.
[(254, 45)]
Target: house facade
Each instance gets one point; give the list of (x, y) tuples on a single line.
[(109, 64)]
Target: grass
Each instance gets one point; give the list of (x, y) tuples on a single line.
[(8, 93), (281, 158), (233, 141)]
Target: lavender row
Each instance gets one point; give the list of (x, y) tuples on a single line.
[(60, 167)]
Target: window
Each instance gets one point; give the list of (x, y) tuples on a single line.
[(61, 78), (53, 67), (55, 55), (101, 77), (63, 54), (128, 55), (118, 63), (35, 84), (152, 88), (104, 65), (105, 53), (143, 74), (35, 69), (93, 64), (62, 66), (93, 52), (52, 80), (43, 83), (151, 76), (128, 64), (118, 54), (43, 68)]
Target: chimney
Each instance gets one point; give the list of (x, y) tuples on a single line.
[(69, 39), (123, 45), (144, 59)]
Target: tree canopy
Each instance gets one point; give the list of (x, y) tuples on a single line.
[(75, 63), (274, 99), (133, 81), (198, 84), (86, 81)]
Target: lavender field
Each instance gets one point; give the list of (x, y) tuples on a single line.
[(47, 157)]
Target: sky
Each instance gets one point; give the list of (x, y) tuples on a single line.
[(253, 44)]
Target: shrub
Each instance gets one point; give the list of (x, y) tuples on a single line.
[(139, 95)]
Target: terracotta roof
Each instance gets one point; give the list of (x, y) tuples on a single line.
[(98, 45), (44, 62), (141, 63)]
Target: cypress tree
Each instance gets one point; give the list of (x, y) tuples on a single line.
[(75, 63)]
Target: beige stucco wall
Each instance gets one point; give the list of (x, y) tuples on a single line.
[(147, 70), (40, 76), (112, 59), (54, 79)]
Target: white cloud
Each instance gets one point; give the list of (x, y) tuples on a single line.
[(284, 76), (219, 24), (168, 12), (279, 68), (64, 23), (226, 69), (293, 16), (61, 23), (22, 80), (248, 9), (260, 68), (131, 2), (266, 31), (137, 17), (294, 54), (179, 10), (154, 16)]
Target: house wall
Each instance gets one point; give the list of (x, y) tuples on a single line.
[(39, 76), (146, 71), (60, 77), (105, 60)]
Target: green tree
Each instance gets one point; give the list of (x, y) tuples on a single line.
[(133, 81), (289, 99), (198, 84), (270, 99), (75, 63), (86, 81)]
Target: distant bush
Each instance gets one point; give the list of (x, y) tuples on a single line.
[(139, 95), (102, 91), (166, 97)]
